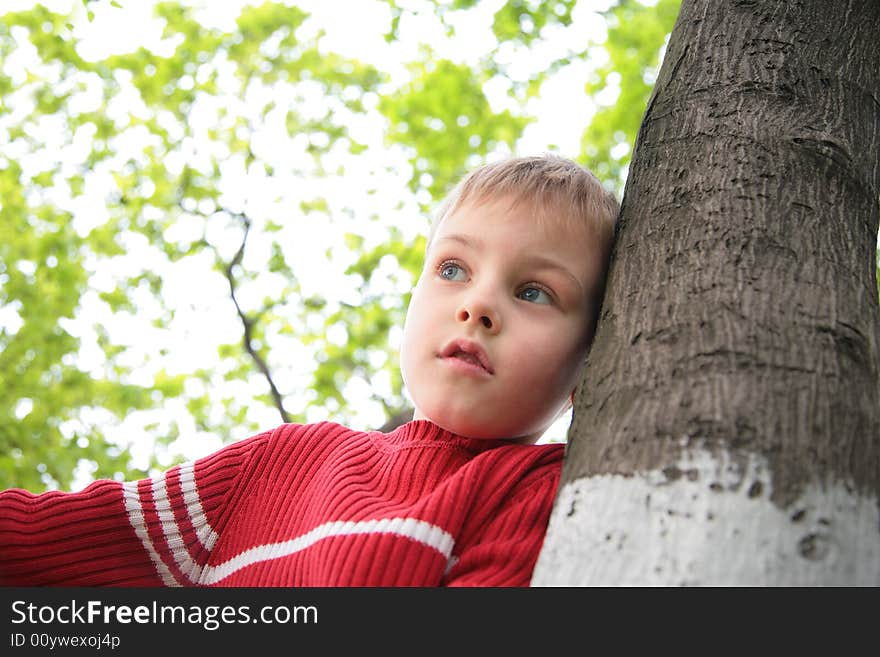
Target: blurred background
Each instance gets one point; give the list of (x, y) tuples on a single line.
[(211, 214)]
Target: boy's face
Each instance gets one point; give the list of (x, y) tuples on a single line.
[(499, 321)]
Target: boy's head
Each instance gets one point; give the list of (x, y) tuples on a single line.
[(504, 311)]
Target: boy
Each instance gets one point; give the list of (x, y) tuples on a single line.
[(494, 341)]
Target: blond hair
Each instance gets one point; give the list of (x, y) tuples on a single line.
[(553, 186)]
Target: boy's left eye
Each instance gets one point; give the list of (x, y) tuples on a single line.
[(451, 272), (534, 294)]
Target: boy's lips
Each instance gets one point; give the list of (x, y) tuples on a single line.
[(468, 351)]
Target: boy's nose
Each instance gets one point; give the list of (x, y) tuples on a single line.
[(476, 313)]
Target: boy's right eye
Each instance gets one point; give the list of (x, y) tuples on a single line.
[(451, 271)]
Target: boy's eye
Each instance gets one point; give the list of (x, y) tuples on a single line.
[(534, 294), (451, 272)]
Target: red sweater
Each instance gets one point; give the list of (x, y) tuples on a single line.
[(301, 505)]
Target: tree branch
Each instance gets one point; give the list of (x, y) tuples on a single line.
[(248, 322), (394, 420), (397, 419)]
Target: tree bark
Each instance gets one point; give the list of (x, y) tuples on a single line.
[(727, 428)]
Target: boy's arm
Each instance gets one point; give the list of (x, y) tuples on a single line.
[(153, 532), (504, 553)]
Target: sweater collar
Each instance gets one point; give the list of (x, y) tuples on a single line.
[(427, 431)]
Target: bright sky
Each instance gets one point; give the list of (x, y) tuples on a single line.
[(200, 297)]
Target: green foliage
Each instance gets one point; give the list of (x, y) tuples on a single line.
[(636, 34), (126, 173), (522, 21), (44, 430), (444, 116)]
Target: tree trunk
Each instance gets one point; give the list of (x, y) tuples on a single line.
[(727, 429)]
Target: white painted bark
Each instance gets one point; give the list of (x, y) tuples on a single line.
[(708, 521)]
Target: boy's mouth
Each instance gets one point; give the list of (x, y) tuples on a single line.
[(468, 351)]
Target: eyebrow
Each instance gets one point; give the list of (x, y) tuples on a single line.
[(546, 263), (540, 262), (470, 242)]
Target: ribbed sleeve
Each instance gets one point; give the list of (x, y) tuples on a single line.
[(153, 532), (82, 538)]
